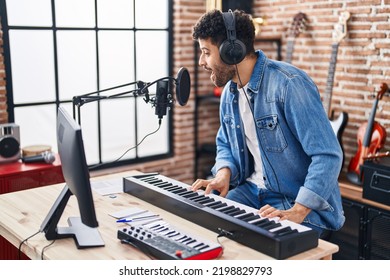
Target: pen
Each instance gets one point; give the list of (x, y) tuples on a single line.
[(135, 219)]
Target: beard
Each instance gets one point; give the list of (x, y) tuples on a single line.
[(221, 74)]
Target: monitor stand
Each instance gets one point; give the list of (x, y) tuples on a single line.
[(83, 235)]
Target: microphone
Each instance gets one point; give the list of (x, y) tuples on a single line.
[(164, 99), (47, 157)]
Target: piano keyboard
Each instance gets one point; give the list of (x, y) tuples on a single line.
[(278, 239), (162, 241)]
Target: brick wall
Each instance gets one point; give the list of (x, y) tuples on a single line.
[(363, 63)]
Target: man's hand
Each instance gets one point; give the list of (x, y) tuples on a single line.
[(296, 214), (220, 183)]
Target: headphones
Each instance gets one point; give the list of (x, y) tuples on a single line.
[(232, 50)]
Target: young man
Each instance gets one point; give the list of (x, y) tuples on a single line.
[(276, 150)]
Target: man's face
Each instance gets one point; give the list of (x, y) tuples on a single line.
[(210, 60)]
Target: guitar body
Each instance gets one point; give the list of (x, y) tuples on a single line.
[(338, 125)]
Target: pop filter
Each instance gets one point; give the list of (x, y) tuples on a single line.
[(183, 86)]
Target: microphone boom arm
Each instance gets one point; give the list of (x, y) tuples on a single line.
[(88, 97), (182, 82)]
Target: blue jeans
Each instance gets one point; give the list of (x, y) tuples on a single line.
[(250, 195)]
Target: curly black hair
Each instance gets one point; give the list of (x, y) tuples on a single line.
[(211, 26)]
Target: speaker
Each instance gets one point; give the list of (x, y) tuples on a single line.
[(232, 51), (9, 142)]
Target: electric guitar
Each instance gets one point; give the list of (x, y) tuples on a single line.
[(339, 33), (297, 26)]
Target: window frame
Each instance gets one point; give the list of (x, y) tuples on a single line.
[(9, 86)]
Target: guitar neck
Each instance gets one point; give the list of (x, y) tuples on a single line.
[(290, 48), (329, 83), (370, 124)]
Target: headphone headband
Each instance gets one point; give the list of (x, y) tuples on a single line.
[(232, 50), (230, 24)]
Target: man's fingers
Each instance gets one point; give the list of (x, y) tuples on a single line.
[(199, 184)]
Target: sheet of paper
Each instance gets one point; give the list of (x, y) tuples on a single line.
[(143, 222), (128, 213), (108, 187)]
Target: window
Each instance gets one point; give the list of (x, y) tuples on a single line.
[(57, 49)]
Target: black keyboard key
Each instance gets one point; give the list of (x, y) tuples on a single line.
[(177, 188), (262, 223), (248, 219), (179, 191), (186, 193), (153, 227), (173, 234), (173, 188), (219, 205), (170, 232), (201, 199), (237, 212), (163, 230), (205, 200), (191, 241), (163, 185), (203, 247), (148, 179), (198, 246), (224, 209), (186, 240), (282, 230), (155, 181), (272, 225), (211, 204), (241, 217), (191, 194), (233, 210), (182, 238)]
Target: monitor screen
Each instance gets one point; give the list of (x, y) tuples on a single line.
[(74, 166), (75, 170)]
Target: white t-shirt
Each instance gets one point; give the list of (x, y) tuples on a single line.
[(251, 138)]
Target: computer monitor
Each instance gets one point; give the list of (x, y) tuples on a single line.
[(83, 229)]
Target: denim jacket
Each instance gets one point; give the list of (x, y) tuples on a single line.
[(300, 152)]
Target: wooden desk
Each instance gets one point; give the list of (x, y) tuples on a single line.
[(21, 214)]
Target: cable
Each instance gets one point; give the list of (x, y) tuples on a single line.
[(25, 240), (43, 249), (265, 154), (219, 242), (128, 150)]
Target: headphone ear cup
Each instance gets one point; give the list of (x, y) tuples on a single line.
[(232, 52)]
